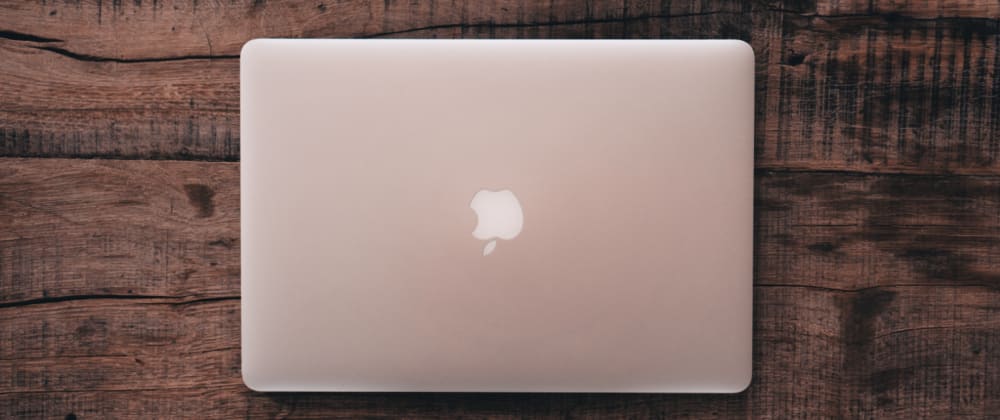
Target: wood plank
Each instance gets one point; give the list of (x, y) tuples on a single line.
[(171, 229), (170, 88), (120, 228), (854, 230), (884, 87), (61, 106), (161, 30), (895, 351), (882, 93), (134, 330)]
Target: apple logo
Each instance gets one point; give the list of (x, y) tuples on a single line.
[(499, 215)]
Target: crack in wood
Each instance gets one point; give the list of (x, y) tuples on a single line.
[(150, 299), (878, 287), (546, 24), (96, 59), (18, 36), (174, 300), (872, 173)]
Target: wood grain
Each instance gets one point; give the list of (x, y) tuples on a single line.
[(854, 231), (118, 228), (877, 214), (884, 93), (803, 366), (171, 229), (907, 86), (876, 295)]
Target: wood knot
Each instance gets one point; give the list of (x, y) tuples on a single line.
[(200, 196)]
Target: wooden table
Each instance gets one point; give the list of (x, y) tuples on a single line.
[(877, 288)]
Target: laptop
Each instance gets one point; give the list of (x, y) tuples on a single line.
[(497, 215)]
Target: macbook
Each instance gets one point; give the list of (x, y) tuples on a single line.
[(497, 215)]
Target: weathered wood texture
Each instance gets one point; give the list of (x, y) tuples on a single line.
[(902, 86), (876, 295), (877, 289)]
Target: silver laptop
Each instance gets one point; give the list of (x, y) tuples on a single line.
[(511, 216)]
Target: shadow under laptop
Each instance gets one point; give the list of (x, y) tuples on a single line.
[(502, 405)]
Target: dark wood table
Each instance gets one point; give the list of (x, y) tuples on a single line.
[(877, 288)]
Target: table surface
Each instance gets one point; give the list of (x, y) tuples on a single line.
[(877, 277)]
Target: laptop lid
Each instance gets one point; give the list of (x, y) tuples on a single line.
[(515, 216)]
